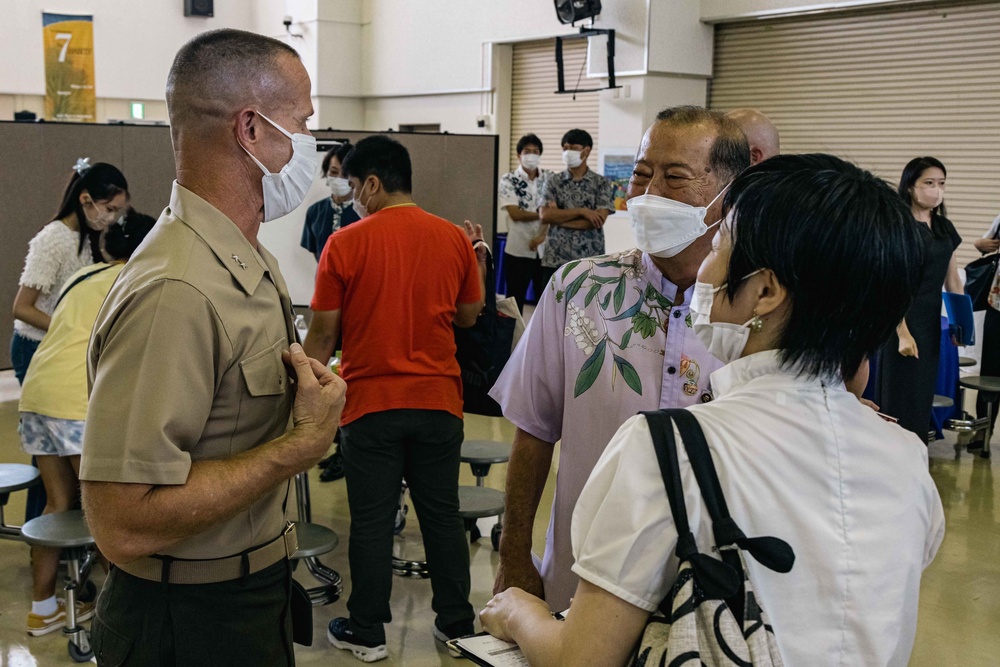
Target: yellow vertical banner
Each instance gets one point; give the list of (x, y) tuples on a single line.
[(69, 68)]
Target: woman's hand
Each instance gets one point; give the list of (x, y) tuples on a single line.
[(908, 346), (986, 246), (513, 603)]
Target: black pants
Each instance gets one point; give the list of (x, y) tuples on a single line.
[(243, 622), (380, 449), (521, 272), (990, 364)]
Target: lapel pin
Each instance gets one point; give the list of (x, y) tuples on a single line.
[(239, 261)]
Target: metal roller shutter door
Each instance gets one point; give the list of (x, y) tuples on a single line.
[(535, 108), (879, 88)]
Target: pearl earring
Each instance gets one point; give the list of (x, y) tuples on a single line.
[(756, 324)]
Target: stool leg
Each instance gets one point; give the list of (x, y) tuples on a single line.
[(302, 497), (71, 582), (989, 430)]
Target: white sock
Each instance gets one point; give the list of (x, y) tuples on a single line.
[(45, 608)]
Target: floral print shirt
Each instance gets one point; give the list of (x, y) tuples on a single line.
[(605, 342), (593, 191), (516, 189)]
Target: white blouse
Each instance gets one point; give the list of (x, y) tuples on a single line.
[(52, 259), (800, 459)]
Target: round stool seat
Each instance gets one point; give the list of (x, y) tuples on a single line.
[(17, 476), (942, 401), (965, 362), (476, 502), (485, 451), (984, 383), (61, 530), (314, 540)]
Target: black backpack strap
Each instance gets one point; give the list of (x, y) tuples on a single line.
[(770, 552), (77, 282), (719, 580)]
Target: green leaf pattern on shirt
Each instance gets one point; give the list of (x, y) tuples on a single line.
[(648, 310)]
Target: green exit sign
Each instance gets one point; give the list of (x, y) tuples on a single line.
[(138, 110)]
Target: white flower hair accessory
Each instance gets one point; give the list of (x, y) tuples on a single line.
[(82, 165)]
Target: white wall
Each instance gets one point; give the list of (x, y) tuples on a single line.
[(679, 43), (134, 42), (443, 45)]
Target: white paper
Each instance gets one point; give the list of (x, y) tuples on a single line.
[(493, 651)]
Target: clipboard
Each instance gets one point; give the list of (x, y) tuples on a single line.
[(486, 650)]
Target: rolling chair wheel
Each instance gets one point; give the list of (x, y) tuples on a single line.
[(79, 655)]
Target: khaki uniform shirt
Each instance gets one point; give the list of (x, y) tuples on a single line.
[(185, 365)]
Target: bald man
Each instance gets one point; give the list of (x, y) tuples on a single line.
[(203, 405), (760, 133)]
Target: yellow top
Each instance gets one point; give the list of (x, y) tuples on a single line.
[(56, 382)]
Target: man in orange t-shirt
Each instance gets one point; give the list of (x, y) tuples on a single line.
[(395, 282)]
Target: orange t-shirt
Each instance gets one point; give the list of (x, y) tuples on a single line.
[(397, 276)]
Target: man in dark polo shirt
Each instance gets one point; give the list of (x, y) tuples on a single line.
[(202, 405), (395, 282)]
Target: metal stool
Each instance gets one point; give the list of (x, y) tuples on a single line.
[(67, 531), (478, 501), (963, 362), (314, 541), (987, 385), (14, 477)]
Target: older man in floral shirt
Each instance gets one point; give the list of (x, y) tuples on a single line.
[(611, 337)]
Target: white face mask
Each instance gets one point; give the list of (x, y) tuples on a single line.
[(530, 161), (664, 227), (359, 208), (104, 218), (339, 187), (724, 340), (572, 159), (286, 190)]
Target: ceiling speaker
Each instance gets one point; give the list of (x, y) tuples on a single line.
[(199, 8)]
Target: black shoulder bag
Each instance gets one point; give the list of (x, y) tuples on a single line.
[(711, 615)]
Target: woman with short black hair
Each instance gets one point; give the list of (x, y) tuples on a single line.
[(908, 362), (809, 274)]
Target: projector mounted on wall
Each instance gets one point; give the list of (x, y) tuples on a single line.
[(585, 33)]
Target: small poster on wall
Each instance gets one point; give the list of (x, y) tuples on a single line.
[(69, 68), (617, 168)]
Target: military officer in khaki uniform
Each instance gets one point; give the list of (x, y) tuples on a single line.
[(203, 406)]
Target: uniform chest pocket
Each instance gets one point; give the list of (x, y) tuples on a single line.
[(265, 373)]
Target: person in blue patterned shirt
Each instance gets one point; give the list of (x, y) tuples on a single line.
[(575, 204)]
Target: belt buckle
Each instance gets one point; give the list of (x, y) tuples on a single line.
[(291, 540)]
